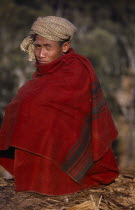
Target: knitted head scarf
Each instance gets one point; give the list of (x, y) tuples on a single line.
[(52, 28)]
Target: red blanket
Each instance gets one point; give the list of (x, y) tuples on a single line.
[(62, 115)]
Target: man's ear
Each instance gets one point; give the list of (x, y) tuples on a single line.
[(65, 47)]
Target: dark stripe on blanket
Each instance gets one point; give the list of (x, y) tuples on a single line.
[(79, 158), (85, 168), (71, 163)]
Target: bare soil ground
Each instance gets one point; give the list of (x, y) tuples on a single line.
[(117, 196)]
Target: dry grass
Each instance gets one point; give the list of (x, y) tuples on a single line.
[(119, 195)]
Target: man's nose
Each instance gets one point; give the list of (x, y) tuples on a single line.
[(42, 53)]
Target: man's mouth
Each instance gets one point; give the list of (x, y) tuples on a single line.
[(42, 62)]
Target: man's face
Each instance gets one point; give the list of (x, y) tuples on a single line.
[(46, 51)]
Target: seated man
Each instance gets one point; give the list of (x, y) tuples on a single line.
[(59, 124)]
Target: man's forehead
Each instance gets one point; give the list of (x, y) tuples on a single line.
[(43, 40)]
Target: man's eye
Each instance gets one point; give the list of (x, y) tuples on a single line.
[(48, 46), (36, 45)]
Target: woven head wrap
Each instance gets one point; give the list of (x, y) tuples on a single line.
[(52, 28)]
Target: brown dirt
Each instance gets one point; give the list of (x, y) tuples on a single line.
[(117, 196)]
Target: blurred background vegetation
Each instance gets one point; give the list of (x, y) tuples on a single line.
[(106, 35)]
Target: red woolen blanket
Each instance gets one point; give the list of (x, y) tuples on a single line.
[(61, 114)]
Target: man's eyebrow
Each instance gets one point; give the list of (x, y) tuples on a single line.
[(35, 43), (47, 44)]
